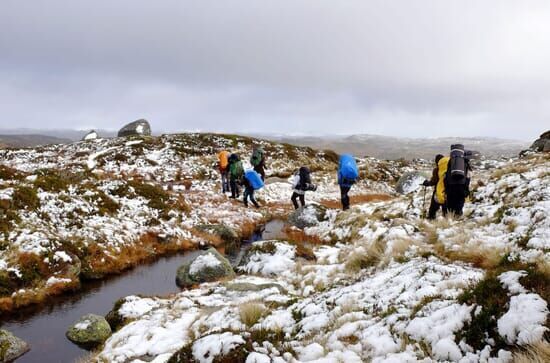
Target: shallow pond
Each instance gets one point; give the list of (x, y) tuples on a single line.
[(44, 327)]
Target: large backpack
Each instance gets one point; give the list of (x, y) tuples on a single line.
[(254, 179), (257, 156), (223, 159), (440, 192), (236, 169), (457, 170), (347, 170), (305, 176)]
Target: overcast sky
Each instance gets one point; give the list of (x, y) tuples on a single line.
[(405, 68)]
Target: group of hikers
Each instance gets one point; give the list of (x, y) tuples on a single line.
[(450, 178), (234, 176), (451, 182)]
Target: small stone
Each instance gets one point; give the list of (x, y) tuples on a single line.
[(89, 331), (209, 266), (92, 135)]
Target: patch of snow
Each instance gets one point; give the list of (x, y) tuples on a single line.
[(207, 260), (209, 347), (524, 321), (510, 280)]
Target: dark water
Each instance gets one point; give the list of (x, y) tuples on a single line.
[(44, 327)]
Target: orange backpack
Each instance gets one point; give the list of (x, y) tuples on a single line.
[(223, 158)]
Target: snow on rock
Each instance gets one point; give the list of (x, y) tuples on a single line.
[(524, 321), (206, 349), (134, 306), (203, 261)]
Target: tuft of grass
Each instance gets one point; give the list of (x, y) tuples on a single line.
[(25, 197), (360, 260), (536, 353), (268, 247), (492, 298), (251, 313)]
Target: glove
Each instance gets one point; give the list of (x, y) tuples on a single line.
[(426, 183)]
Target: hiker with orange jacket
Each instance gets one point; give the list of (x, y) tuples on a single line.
[(223, 167)]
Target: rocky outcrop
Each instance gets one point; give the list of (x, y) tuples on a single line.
[(89, 331), (137, 128), (228, 236), (92, 135), (410, 182), (207, 267), (542, 144), (11, 347), (307, 216)]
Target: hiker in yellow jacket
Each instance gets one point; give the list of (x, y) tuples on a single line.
[(433, 182)]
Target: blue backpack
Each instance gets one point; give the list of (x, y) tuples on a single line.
[(254, 179), (347, 170)]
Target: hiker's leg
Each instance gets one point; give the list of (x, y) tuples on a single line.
[(303, 199), (233, 185), (344, 196), (293, 198), (252, 199), (224, 181), (245, 197), (434, 207)]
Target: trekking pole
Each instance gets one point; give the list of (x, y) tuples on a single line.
[(424, 204)]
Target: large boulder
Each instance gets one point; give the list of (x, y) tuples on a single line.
[(11, 347), (137, 128), (92, 135), (410, 182), (89, 331), (228, 236), (307, 216), (542, 144), (209, 266)]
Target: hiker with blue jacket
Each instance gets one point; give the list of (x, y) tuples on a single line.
[(252, 181), (301, 182), (347, 176)]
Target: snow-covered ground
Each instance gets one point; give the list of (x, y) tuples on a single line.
[(387, 287), (384, 285)]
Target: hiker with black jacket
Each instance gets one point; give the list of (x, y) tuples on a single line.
[(236, 172), (301, 183), (258, 161), (434, 205)]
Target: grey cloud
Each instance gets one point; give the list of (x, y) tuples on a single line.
[(422, 68)]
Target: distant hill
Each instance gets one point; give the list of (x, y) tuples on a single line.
[(30, 140), (391, 148)]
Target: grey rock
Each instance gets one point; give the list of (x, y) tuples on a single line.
[(227, 234), (409, 182), (307, 216), (185, 277), (89, 331), (137, 128), (92, 135), (542, 143), (11, 347)]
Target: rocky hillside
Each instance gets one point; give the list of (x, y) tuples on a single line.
[(375, 283), (87, 209)]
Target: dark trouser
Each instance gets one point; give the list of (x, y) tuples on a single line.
[(260, 170), (234, 188), (225, 180), (249, 193), (456, 195), (434, 207), (344, 196), (294, 198)]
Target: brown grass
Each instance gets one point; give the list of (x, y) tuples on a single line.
[(357, 199), (298, 236), (536, 353), (251, 313)]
